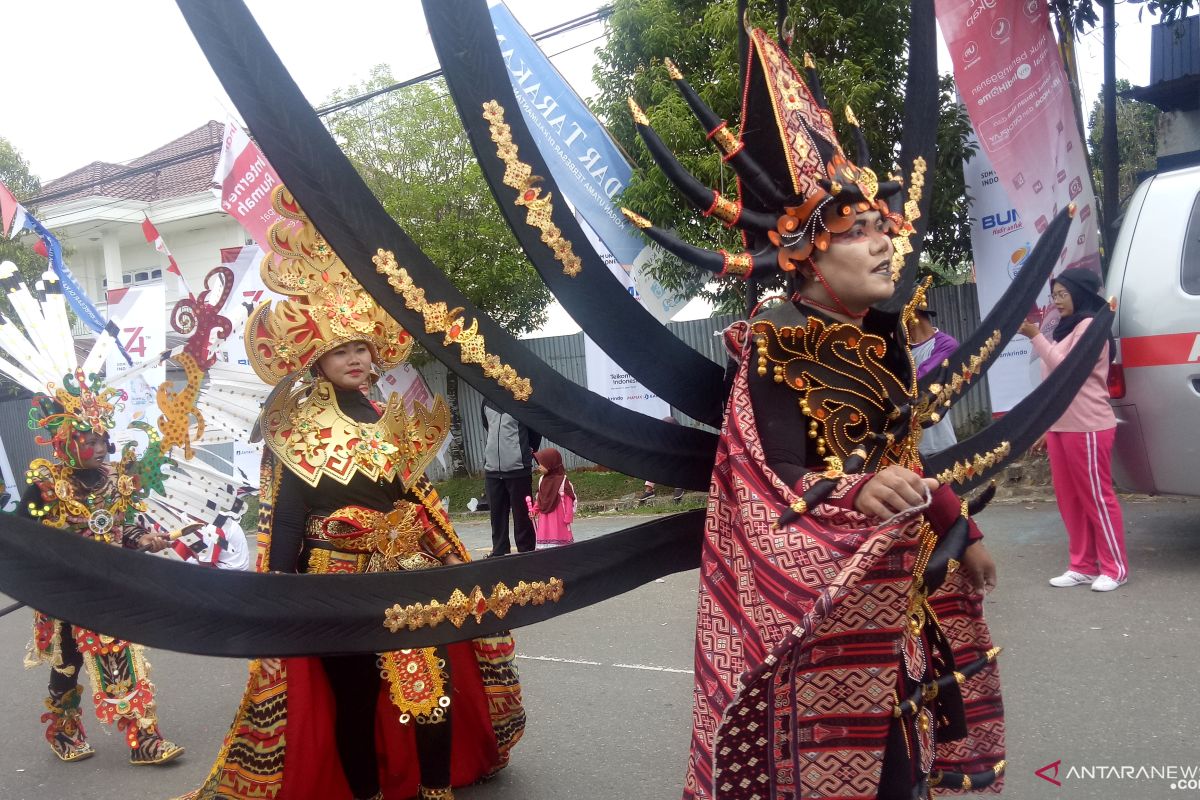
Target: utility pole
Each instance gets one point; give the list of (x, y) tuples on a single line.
[(1110, 168)]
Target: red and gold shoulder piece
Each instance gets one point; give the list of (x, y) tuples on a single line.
[(311, 436)]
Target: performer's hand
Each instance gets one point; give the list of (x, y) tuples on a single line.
[(1028, 329), (892, 490), (1039, 445), (152, 542), (979, 567), (451, 558), (270, 666)]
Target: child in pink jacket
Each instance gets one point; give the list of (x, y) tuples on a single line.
[(1080, 444), (553, 508)]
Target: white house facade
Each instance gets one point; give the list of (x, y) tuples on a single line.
[(97, 213)]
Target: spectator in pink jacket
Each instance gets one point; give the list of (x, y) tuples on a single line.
[(1080, 443), (553, 509)]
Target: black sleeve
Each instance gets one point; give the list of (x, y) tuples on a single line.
[(535, 440), (780, 428), (483, 415), (287, 526)]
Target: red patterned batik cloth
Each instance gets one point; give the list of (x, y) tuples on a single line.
[(800, 634)]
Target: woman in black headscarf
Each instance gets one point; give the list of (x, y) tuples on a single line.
[(1080, 443)]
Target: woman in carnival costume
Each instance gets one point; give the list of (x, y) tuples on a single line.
[(80, 491), (343, 491), (825, 663)]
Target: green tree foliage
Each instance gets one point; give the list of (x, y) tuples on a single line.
[(410, 148), (860, 50), (947, 254), (1137, 139), (14, 172)]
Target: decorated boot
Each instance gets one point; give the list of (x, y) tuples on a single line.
[(425, 793), (65, 731), (146, 745)]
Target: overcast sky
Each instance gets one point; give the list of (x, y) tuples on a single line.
[(110, 81)]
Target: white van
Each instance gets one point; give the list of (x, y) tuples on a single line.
[(1155, 383)]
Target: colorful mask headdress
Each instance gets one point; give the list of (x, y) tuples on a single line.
[(797, 187), (81, 405)]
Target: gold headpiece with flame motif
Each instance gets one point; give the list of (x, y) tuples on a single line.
[(326, 307)]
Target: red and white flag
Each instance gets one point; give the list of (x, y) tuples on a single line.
[(155, 238), (12, 213)]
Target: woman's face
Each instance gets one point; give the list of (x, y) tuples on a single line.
[(1062, 299), (858, 264), (347, 367)]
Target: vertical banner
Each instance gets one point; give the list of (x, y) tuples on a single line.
[(1011, 80), (248, 291), (243, 182), (1000, 244), (140, 315), (606, 377)]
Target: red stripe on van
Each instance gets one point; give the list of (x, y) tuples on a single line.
[(1157, 351)]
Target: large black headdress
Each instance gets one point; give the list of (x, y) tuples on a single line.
[(796, 184)]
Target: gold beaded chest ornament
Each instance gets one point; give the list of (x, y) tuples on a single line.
[(327, 308)]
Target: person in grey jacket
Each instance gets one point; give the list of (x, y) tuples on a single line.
[(508, 481)]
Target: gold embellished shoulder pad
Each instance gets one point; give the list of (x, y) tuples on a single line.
[(308, 433)]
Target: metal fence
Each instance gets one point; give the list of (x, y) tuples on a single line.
[(958, 315), (957, 310)]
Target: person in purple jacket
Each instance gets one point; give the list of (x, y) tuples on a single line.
[(929, 346)]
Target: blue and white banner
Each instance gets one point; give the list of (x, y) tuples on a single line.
[(588, 166), (586, 163), (80, 303)]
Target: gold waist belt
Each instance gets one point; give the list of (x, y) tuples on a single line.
[(395, 534)]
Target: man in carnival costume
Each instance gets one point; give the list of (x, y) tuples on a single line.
[(80, 491), (344, 492), (825, 663)]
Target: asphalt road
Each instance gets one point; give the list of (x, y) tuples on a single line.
[(1097, 682)]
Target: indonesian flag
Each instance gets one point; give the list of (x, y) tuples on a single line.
[(155, 238), (12, 213)]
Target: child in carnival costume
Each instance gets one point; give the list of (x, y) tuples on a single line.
[(343, 491), (80, 491)]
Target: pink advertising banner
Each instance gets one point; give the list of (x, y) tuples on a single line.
[(243, 182), (1011, 79)]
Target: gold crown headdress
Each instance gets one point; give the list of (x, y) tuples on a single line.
[(326, 307)]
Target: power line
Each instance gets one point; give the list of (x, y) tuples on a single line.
[(564, 27)]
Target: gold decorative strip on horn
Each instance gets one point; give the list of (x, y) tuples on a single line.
[(451, 322), (519, 176), (963, 471)]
